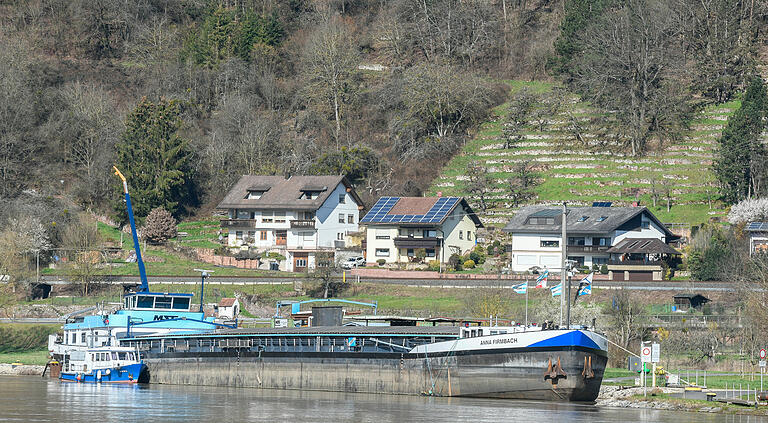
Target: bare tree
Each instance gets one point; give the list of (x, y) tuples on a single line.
[(479, 182), (522, 183), (625, 322), (325, 274), (83, 240), (520, 113)]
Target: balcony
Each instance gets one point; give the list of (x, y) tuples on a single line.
[(240, 223), (628, 262), (588, 248), (413, 242), (303, 224)]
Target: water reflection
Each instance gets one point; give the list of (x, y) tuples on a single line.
[(42, 400)]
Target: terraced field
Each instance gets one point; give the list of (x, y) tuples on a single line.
[(586, 167)]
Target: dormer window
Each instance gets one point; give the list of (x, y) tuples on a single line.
[(254, 195), (602, 218), (583, 218), (543, 217), (309, 195)]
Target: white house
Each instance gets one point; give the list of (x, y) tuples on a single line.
[(758, 237), (397, 227), (591, 231), (295, 217)]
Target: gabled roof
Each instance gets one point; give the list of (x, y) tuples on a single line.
[(416, 211), (757, 227), (227, 302), (280, 193), (580, 220), (642, 246)]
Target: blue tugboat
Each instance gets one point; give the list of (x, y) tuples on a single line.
[(97, 336), (103, 365)]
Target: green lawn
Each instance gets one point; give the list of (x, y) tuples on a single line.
[(37, 357)]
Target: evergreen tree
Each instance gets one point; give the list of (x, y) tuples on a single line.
[(154, 158), (739, 163), (578, 15)]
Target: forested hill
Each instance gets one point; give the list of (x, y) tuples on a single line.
[(186, 95)]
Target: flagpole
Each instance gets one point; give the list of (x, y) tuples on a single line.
[(564, 257), (526, 303)]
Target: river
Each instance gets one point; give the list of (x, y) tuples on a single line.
[(32, 399)]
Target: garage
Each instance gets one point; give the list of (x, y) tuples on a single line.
[(640, 276)]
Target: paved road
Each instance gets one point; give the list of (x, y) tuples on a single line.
[(420, 283)]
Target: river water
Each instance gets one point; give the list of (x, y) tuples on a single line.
[(32, 399)]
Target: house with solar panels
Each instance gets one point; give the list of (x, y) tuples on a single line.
[(398, 227), (758, 237), (295, 217), (631, 241)]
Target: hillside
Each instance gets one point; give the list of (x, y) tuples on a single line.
[(583, 172)]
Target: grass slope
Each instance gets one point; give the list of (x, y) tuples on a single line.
[(583, 172)]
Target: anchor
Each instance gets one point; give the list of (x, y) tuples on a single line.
[(553, 373), (588, 373)]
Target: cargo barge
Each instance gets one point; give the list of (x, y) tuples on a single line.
[(494, 362)]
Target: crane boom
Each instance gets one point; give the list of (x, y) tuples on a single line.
[(142, 273)]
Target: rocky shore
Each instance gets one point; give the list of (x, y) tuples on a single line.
[(20, 370), (617, 396)]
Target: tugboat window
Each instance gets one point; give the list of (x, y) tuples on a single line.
[(181, 303), (145, 302), (162, 302)]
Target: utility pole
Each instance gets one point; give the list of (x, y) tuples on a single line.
[(568, 304), (562, 262)]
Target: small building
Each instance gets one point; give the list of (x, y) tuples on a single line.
[(229, 308), (398, 228), (686, 302), (639, 259), (758, 237)]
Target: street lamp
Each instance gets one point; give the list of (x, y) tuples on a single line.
[(203, 274)]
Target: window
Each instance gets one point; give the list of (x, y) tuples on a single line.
[(181, 303), (243, 214), (162, 302), (341, 217), (267, 217), (239, 235), (549, 244), (645, 224), (583, 219), (428, 233), (342, 198), (254, 195), (382, 252), (549, 261), (409, 252), (252, 235), (576, 240), (340, 236), (279, 217), (301, 262), (541, 221), (602, 218), (461, 234), (351, 218), (82, 337), (145, 301), (605, 242), (599, 260), (382, 234), (309, 195), (430, 252), (308, 215), (469, 236), (526, 260)]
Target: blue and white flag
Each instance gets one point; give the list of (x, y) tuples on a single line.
[(556, 290), (521, 288), (541, 281), (585, 286)]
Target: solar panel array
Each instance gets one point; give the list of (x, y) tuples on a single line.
[(602, 203), (380, 212), (758, 226)]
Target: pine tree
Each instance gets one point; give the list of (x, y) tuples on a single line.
[(740, 154), (159, 227), (154, 158)]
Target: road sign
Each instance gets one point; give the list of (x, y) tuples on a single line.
[(645, 353), (655, 353), (762, 353), (762, 363)]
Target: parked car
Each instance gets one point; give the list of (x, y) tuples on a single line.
[(352, 262)]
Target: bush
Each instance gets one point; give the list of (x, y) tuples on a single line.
[(434, 265), (477, 255), (490, 250), (469, 264), (381, 262), (604, 269), (455, 262), (159, 227)]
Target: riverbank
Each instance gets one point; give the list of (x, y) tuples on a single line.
[(664, 399), (20, 370)]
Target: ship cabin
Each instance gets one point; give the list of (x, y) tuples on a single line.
[(158, 301)]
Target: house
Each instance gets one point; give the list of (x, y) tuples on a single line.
[(758, 237), (684, 302), (399, 227), (537, 235), (229, 308), (290, 219)]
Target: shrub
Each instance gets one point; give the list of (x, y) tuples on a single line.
[(420, 255), (490, 250), (159, 227), (469, 264), (434, 265), (604, 269), (477, 255), (455, 262), (381, 262)]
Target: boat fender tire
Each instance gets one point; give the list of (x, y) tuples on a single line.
[(98, 376), (107, 372), (78, 377)]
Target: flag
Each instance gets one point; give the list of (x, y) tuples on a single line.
[(541, 281), (521, 288), (585, 286), (556, 290)]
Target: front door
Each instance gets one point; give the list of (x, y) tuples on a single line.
[(300, 262), (281, 237)]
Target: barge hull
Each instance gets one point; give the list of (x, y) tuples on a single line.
[(518, 374)]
